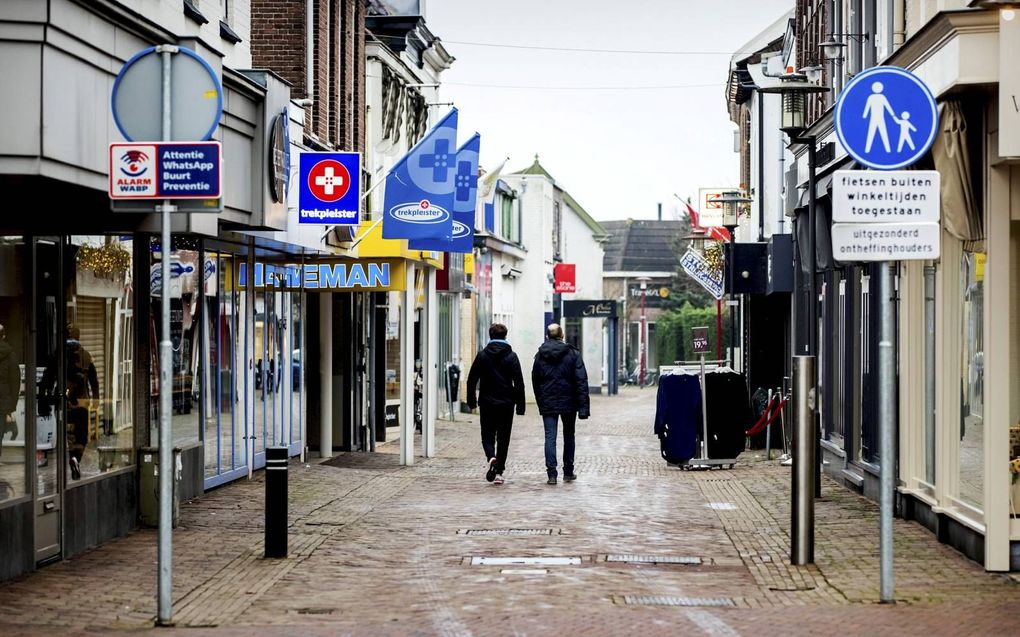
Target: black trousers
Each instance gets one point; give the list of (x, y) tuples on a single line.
[(497, 422)]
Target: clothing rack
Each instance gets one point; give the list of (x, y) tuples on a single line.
[(704, 462)]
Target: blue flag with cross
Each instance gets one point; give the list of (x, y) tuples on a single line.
[(465, 195), (420, 188)]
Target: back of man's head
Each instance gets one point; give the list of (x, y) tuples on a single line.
[(554, 331), (497, 331)]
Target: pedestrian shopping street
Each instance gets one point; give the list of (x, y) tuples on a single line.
[(382, 549)]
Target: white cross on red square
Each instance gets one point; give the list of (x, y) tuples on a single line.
[(329, 180)]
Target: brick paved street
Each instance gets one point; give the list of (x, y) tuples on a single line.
[(379, 549)]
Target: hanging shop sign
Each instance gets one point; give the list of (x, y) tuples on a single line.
[(332, 276), (699, 269), (589, 309), (564, 278), (329, 188)]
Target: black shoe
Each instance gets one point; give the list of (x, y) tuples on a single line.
[(75, 469), (551, 480), (11, 428), (490, 475), (569, 477)]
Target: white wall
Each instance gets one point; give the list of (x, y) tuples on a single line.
[(580, 248)]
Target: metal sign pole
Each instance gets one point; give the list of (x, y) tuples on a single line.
[(886, 420), (166, 463), (704, 413)]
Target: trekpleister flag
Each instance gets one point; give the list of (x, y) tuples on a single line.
[(465, 195), (420, 187)]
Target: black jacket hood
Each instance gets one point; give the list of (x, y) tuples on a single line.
[(497, 351), (553, 350)]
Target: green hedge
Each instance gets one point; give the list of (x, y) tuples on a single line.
[(673, 332)]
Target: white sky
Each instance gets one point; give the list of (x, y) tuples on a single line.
[(618, 152)]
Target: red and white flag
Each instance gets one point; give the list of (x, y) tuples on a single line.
[(714, 232)]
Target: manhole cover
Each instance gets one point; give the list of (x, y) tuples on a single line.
[(525, 561), (667, 600), (722, 506), (515, 532), (654, 559)]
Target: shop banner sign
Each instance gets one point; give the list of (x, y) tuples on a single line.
[(350, 276), (418, 202), (699, 269), (564, 277), (329, 188), (465, 196)]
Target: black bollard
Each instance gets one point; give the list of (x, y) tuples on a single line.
[(276, 501)]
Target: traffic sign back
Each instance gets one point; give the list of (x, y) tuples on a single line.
[(886, 118)]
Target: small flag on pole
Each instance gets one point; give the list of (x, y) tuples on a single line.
[(419, 198)]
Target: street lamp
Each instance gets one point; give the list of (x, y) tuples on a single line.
[(731, 202), (643, 336), (794, 89)]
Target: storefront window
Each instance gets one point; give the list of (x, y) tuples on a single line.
[(98, 356), (14, 302), (185, 312), (224, 417), (972, 275)]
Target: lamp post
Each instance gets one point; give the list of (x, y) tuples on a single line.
[(643, 336), (794, 89), (731, 202)]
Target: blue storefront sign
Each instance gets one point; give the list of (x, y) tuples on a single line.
[(165, 170), (329, 188), (319, 276), (886, 118)]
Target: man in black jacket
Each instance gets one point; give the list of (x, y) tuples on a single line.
[(561, 389), (497, 373)]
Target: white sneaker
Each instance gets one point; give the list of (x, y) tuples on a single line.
[(499, 480)]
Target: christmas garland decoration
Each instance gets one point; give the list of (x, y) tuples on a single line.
[(104, 260), (713, 254)]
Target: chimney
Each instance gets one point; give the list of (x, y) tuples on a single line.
[(660, 211)]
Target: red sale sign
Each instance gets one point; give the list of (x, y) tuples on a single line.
[(564, 277)]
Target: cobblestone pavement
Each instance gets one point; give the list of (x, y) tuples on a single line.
[(380, 549)]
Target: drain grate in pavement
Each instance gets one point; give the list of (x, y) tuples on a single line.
[(525, 561), (722, 506), (524, 571), (503, 532), (654, 559), (315, 611), (668, 600)]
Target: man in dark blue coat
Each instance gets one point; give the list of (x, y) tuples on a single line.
[(498, 372), (561, 390)]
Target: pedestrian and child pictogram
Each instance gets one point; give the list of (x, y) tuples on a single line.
[(886, 118)]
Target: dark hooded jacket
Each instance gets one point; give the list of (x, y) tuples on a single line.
[(560, 380), (496, 371), (10, 380)]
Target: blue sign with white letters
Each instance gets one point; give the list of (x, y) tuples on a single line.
[(329, 188), (886, 118)]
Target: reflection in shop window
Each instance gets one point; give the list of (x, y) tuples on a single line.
[(185, 273), (13, 337), (98, 356), (972, 276)]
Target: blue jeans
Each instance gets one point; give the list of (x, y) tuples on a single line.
[(550, 421)]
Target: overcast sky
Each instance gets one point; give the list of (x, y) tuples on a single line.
[(618, 152)]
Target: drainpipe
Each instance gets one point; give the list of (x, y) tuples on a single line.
[(899, 22), (761, 167), (309, 49)]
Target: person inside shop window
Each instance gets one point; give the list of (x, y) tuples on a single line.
[(81, 387), (10, 387)]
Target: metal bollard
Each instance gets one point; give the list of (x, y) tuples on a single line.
[(802, 531), (276, 501)]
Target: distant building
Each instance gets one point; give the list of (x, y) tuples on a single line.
[(635, 249)]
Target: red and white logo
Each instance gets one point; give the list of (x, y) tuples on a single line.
[(329, 180)]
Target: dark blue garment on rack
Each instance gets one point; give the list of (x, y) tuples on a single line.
[(678, 416)]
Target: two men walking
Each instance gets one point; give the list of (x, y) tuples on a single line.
[(560, 382)]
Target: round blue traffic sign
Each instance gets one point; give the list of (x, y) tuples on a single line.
[(886, 118), (196, 97)]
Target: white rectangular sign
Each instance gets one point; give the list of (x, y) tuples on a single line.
[(885, 196), (711, 212), (885, 241)]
